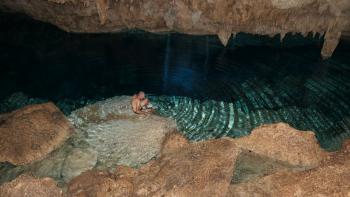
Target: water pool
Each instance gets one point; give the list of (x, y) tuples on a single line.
[(210, 90)]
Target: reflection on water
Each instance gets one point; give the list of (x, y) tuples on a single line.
[(211, 90)]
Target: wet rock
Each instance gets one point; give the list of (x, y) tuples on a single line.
[(119, 136), (173, 141), (30, 133), (26, 185), (199, 169), (99, 184), (78, 161), (284, 143)]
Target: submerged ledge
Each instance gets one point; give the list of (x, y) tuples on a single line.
[(275, 159)]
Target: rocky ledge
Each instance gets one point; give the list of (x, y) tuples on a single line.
[(212, 168), (224, 18)]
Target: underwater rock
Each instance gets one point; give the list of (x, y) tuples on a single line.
[(96, 183), (330, 179), (26, 185), (78, 161), (221, 17), (119, 136), (284, 143), (32, 132)]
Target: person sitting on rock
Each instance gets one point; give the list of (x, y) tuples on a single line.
[(140, 104)]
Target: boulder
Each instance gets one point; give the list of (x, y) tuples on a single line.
[(284, 143), (199, 169), (331, 178), (30, 133), (96, 183), (26, 185)]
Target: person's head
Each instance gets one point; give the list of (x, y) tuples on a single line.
[(141, 95)]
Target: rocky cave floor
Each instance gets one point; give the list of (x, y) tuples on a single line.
[(104, 149)]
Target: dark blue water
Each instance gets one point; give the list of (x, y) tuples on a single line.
[(211, 90)]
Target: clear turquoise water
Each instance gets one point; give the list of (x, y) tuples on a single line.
[(210, 90)]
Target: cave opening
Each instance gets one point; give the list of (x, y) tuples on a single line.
[(210, 90)]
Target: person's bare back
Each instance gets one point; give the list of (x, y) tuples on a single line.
[(139, 104)]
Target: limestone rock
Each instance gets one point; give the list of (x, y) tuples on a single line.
[(78, 161), (200, 169), (30, 133), (26, 185), (328, 180), (99, 184), (173, 141), (284, 143), (285, 4), (331, 178), (266, 17), (118, 135)]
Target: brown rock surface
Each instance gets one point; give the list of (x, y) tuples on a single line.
[(284, 143), (198, 169), (30, 133), (99, 184), (173, 141), (209, 168), (220, 17), (26, 185), (330, 179)]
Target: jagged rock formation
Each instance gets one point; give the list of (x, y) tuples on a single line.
[(31, 133), (222, 17), (26, 185)]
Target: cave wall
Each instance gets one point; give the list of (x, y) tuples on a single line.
[(220, 17)]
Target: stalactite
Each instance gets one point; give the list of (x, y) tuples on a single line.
[(224, 36), (102, 7)]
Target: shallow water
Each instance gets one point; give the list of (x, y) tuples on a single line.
[(210, 90)]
